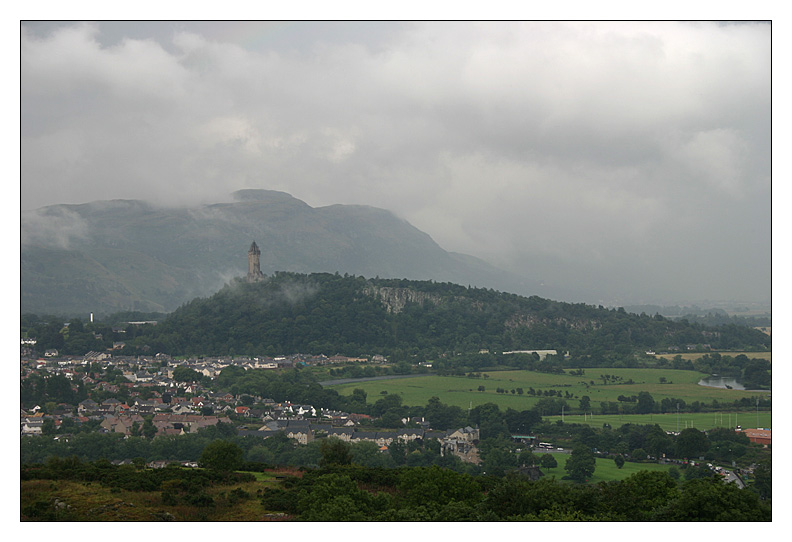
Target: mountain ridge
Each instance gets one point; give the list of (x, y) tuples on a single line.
[(111, 255)]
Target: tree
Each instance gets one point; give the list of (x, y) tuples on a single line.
[(763, 480), (691, 443), (585, 403), (421, 486), (527, 458), (640, 495), (335, 452), (547, 461), (619, 460), (639, 454), (48, 426), (645, 403), (149, 429), (185, 374), (710, 499), (581, 463), (221, 455)]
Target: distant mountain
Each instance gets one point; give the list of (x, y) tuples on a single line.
[(108, 256)]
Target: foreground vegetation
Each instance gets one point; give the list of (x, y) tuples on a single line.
[(341, 491)]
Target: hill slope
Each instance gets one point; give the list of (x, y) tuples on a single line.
[(129, 255), (324, 313)]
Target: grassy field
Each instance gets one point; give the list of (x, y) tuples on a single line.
[(606, 470), (759, 355), (462, 391), (701, 421)]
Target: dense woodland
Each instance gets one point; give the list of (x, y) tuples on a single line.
[(324, 313)]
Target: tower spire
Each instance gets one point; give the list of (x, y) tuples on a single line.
[(254, 264)]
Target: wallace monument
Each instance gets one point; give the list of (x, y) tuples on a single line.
[(254, 264)]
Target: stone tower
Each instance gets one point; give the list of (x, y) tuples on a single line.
[(254, 264)]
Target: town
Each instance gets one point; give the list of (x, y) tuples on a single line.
[(155, 396)]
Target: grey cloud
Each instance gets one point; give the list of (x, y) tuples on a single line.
[(585, 152), (56, 228)]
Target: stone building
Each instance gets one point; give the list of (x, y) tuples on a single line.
[(254, 264)]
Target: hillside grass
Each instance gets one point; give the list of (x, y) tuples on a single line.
[(462, 390), (91, 501)]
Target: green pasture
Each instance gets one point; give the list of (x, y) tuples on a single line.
[(703, 421), (692, 357), (462, 390), (606, 469)]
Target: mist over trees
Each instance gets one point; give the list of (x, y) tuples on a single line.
[(325, 313)]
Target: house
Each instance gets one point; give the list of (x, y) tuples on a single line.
[(465, 434), (461, 443), (380, 438), (408, 435), (343, 433), (302, 410), (32, 426), (87, 406), (182, 408), (112, 404), (300, 430)]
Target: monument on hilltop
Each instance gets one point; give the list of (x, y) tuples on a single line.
[(254, 264)]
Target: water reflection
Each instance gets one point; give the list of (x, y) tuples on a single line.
[(723, 382)]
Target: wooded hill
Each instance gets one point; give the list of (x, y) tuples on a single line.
[(351, 315)]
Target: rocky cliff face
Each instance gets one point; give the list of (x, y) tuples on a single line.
[(394, 299)]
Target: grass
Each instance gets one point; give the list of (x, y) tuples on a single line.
[(462, 391), (606, 469), (91, 501), (692, 357), (702, 421)]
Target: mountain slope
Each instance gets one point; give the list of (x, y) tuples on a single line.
[(124, 254)]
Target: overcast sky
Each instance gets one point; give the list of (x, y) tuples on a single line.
[(631, 160)]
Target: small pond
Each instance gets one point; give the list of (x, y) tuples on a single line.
[(723, 382)]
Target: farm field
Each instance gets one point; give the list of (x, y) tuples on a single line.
[(606, 469), (690, 357), (462, 390), (702, 421)]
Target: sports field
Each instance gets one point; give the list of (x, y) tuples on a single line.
[(463, 391), (671, 422)]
